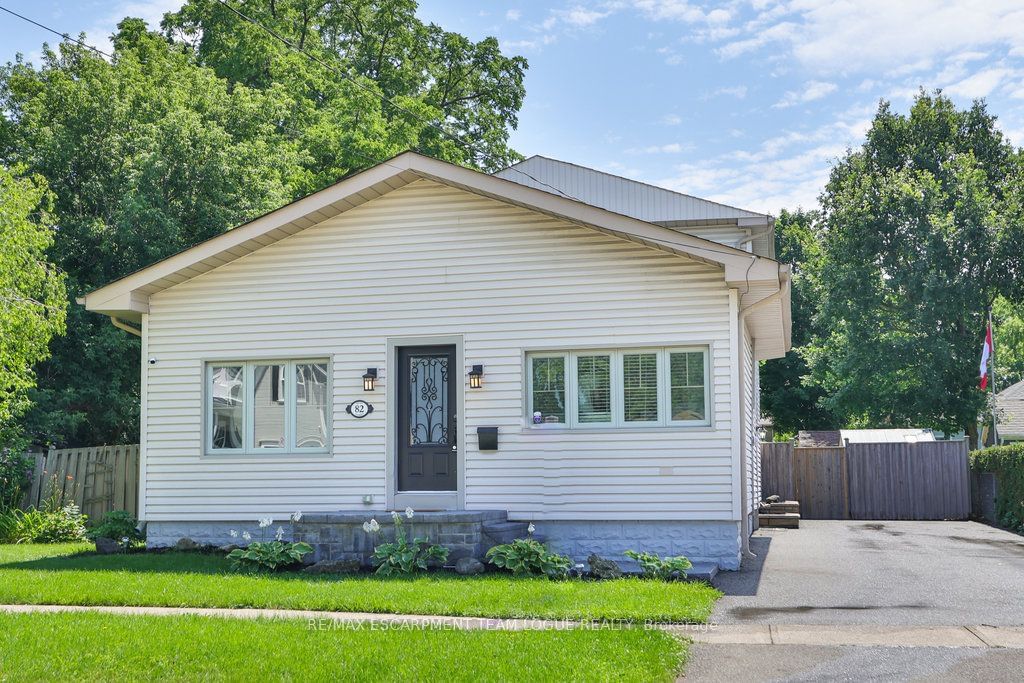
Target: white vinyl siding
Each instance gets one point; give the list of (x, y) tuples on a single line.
[(430, 260)]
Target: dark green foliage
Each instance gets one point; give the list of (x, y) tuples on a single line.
[(118, 525), (920, 230), (189, 132), (788, 395), (60, 525), (1007, 463), (15, 469), (526, 556), (268, 555), (662, 568)]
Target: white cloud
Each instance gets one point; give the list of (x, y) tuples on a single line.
[(812, 90), (839, 36), (581, 16), (670, 148), (513, 15), (980, 84), (671, 119), (737, 91), (533, 44)]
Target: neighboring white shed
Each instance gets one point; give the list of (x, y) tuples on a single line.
[(1010, 413), (885, 435)]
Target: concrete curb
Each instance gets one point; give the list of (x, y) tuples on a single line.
[(862, 635)]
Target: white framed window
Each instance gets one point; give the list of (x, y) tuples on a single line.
[(642, 387), (281, 406)]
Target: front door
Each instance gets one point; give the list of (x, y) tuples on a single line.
[(427, 443)]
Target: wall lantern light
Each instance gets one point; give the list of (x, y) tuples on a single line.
[(369, 378), (476, 377)]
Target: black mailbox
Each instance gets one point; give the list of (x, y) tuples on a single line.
[(487, 437)]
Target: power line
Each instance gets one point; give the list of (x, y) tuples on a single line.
[(55, 32)]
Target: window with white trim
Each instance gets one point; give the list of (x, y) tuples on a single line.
[(645, 387), (268, 406)]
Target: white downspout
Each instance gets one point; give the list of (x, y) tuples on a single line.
[(783, 290)]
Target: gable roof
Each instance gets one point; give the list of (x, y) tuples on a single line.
[(623, 195), (759, 278), (1010, 406)]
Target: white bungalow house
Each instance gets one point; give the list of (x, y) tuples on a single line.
[(549, 343)]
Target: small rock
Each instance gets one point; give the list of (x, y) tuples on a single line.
[(230, 547), (309, 559), (186, 544), (107, 546), (772, 499), (601, 568), (333, 567), (469, 565)]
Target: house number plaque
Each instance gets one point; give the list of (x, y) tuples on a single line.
[(359, 408)]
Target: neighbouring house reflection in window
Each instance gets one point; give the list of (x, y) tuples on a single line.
[(228, 405), (311, 403), (268, 406)]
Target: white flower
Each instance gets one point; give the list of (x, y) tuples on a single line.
[(374, 526), (530, 529), (297, 516), (233, 533), (265, 522), (395, 516), (408, 512), (125, 539), (366, 527), (246, 536), (280, 533)]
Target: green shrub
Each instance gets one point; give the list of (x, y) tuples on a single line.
[(272, 555), (63, 525), (404, 556), (1007, 463), (527, 556), (14, 475), (9, 520), (118, 525), (663, 568)]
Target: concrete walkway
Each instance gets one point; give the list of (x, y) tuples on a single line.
[(317, 619)]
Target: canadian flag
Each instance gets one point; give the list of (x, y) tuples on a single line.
[(986, 356)]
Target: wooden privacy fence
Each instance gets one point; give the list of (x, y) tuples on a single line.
[(923, 480), (99, 478)]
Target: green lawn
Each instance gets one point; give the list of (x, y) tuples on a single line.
[(102, 647), (68, 575)]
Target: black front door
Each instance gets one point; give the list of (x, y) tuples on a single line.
[(427, 444)]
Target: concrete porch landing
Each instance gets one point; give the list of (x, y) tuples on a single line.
[(466, 533)]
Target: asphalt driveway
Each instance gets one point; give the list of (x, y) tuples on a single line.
[(891, 573), (863, 577)]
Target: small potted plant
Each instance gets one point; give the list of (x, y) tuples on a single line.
[(118, 532)]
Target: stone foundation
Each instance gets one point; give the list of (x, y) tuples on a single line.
[(715, 543), (340, 535)]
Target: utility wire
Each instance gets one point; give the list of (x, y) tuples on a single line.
[(55, 32), (383, 98)]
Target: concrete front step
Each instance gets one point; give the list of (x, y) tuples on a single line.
[(702, 571), (787, 520)]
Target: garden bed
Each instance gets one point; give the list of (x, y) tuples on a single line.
[(71, 574)]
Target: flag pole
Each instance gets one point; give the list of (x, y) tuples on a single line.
[(992, 377)]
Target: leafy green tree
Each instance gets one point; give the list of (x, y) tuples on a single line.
[(921, 230), (1008, 333), (470, 88), (188, 132), (32, 295), (787, 395)]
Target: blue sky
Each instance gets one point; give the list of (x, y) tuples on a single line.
[(746, 102)]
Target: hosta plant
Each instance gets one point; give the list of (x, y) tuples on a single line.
[(664, 568), (404, 556), (526, 556), (269, 555)]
